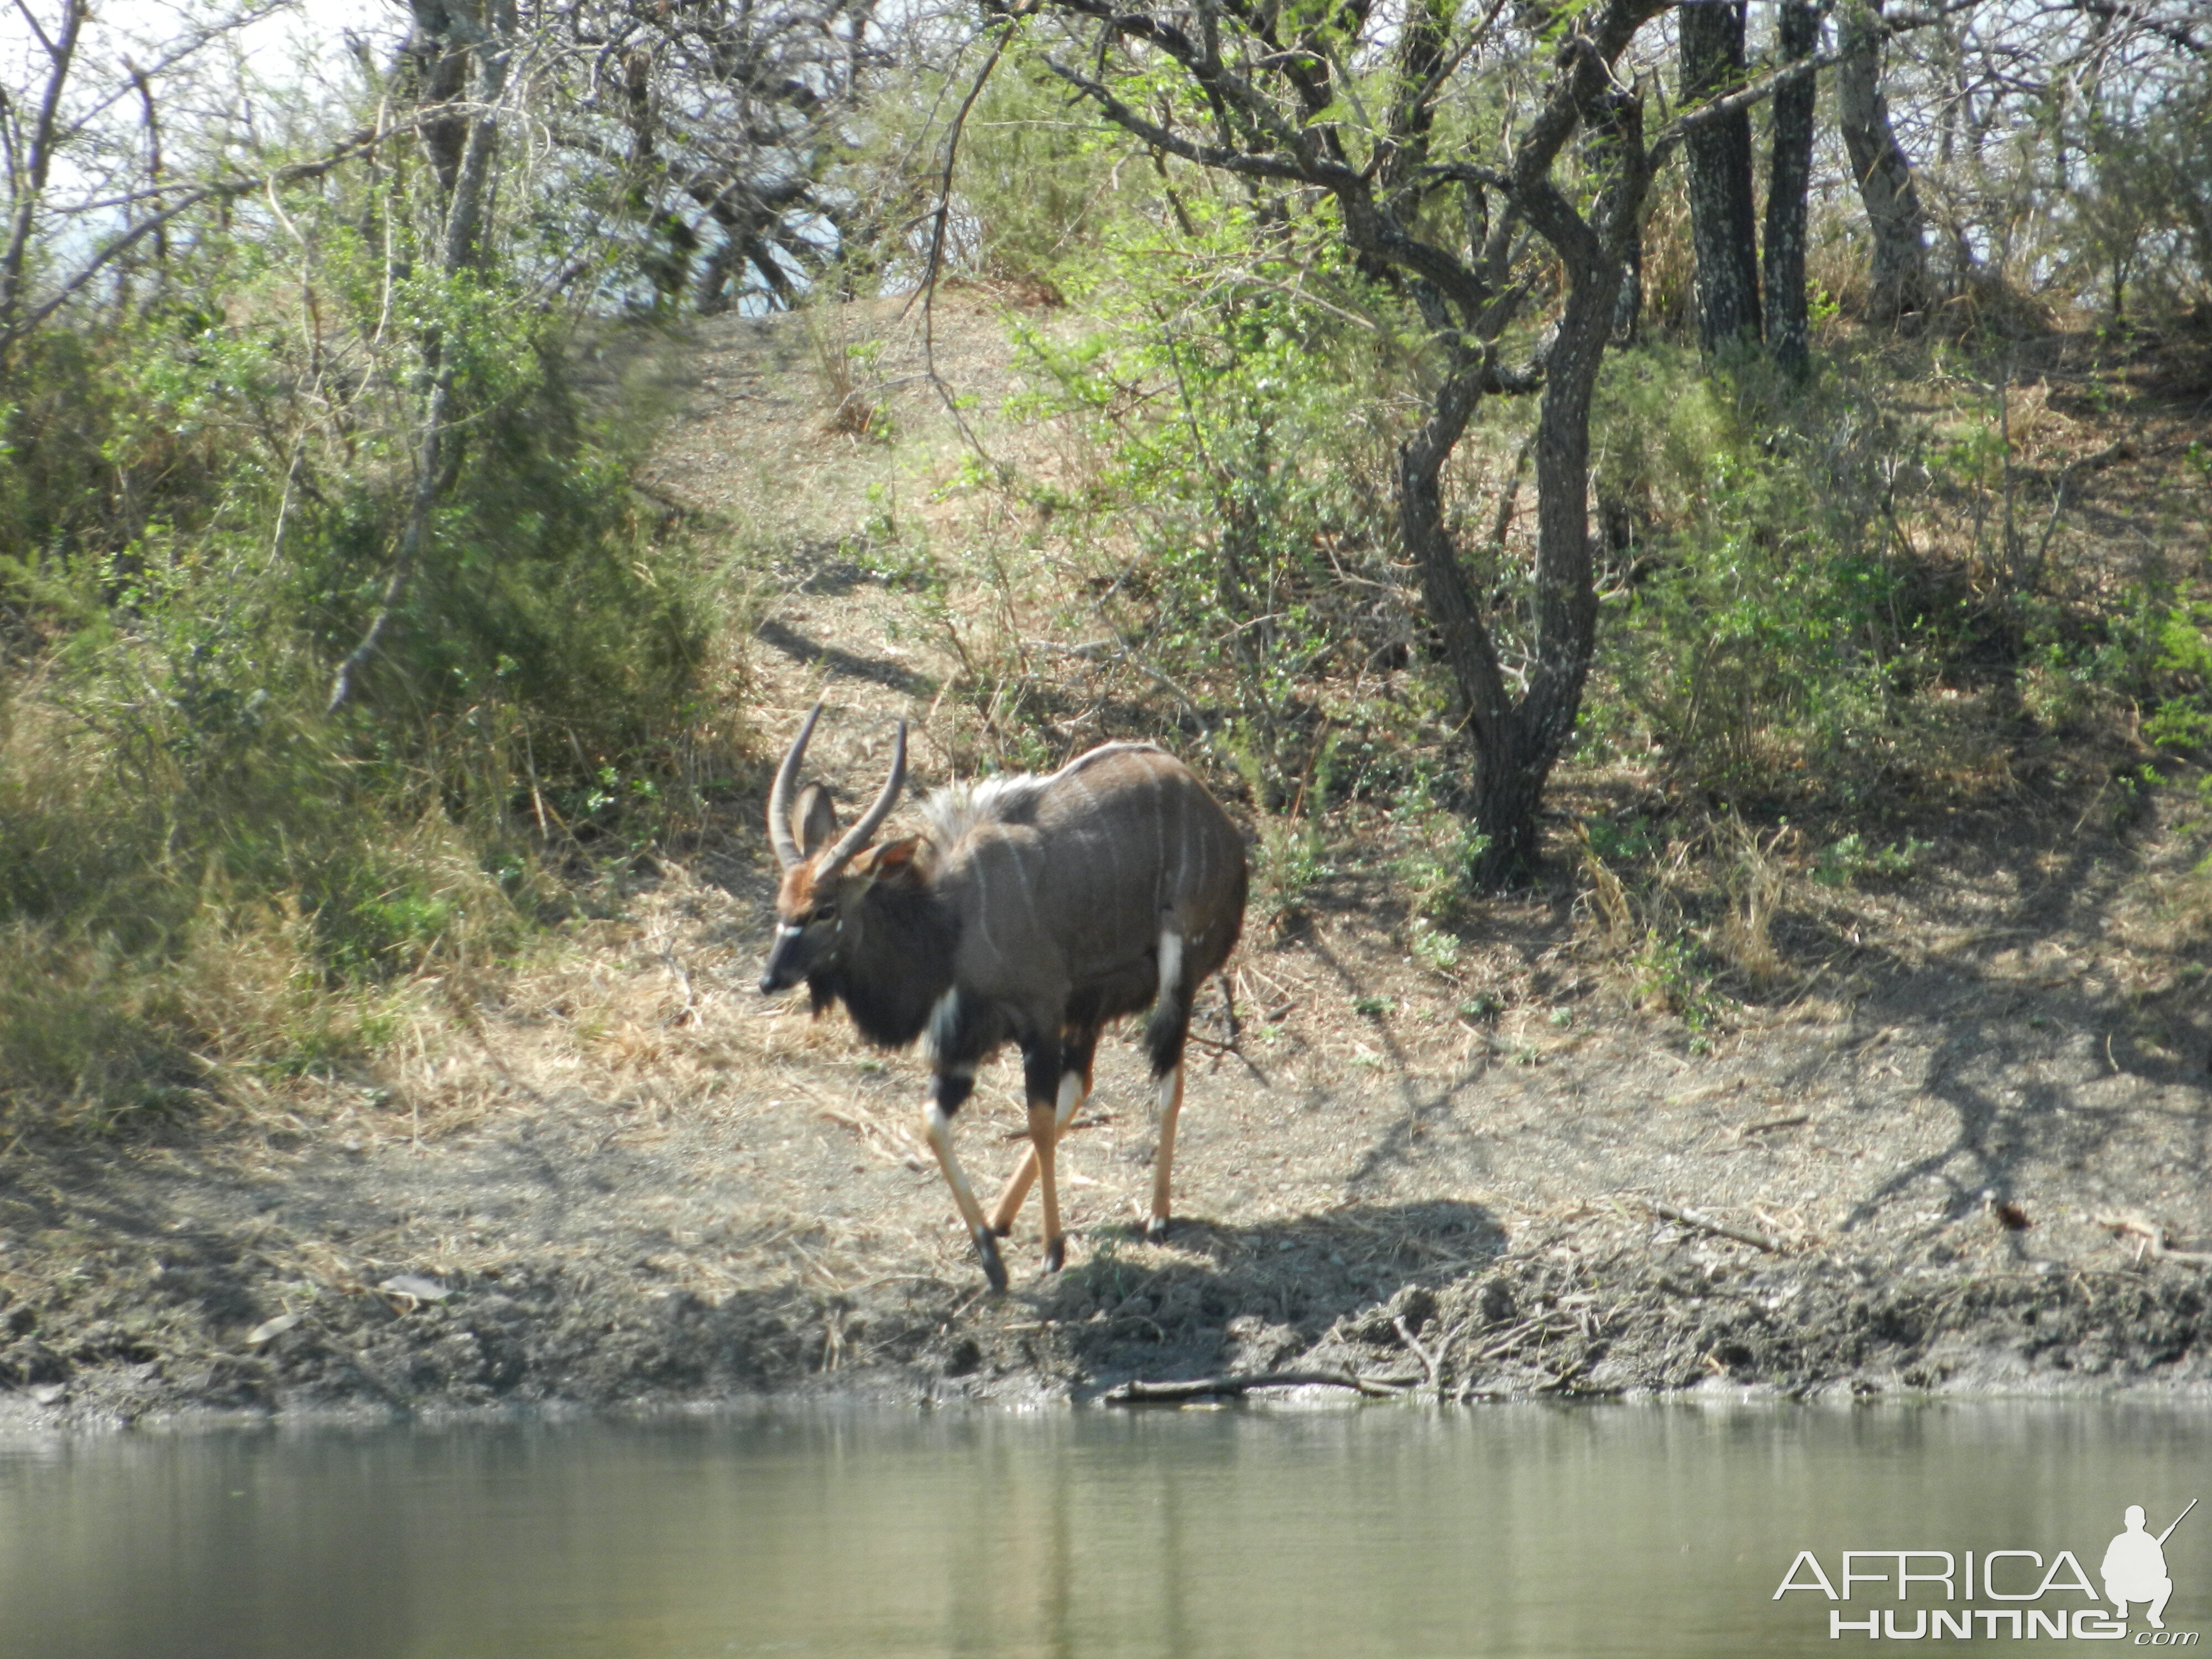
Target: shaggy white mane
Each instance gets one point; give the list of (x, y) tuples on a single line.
[(952, 810), (957, 808)]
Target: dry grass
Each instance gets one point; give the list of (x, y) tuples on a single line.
[(845, 367), (1744, 937)]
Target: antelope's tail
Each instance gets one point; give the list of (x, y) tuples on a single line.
[(1170, 1022)]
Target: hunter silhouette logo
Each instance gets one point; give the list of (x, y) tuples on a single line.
[(2134, 1567), (2000, 1595)]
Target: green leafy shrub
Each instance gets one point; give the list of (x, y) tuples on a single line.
[(1239, 442), (2181, 712), (202, 874), (1768, 627), (1845, 862)]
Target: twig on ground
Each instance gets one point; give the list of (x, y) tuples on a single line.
[(1137, 1391), (1236, 1044), (891, 1145), (1706, 1224), (2150, 1238), (1428, 1360), (1512, 1338), (1021, 1132), (1232, 1048)]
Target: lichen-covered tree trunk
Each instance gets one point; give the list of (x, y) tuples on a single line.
[(1789, 177), (1723, 217), (1898, 267)]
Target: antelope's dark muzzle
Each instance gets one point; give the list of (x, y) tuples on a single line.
[(782, 969)]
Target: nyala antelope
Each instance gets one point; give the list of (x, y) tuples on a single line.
[(1030, 910)]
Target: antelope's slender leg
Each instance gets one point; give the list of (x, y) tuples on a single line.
[(1074, 1089), (1163, 1160), (1079, 1055), (1041, 1069), (1044, 1135), (1012, 1194), (936, 1120), (1164, 1034)]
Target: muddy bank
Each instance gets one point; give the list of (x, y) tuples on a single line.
[(1424, 1301)]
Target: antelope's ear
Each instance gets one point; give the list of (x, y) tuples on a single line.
[(892, 861), (813, 819)]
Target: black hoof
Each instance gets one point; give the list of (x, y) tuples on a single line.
[(1156, 1230), (994, 1270), (1003, 1229), (1055, 1255)]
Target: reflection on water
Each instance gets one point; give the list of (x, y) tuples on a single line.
[(1525, 1530)]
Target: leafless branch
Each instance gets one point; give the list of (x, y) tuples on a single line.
[(1138, 1392), (1706, 1224)]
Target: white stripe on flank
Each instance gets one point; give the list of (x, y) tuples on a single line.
[(1075, 778), (1022, 876), (1098, 823), (1182, 868), (1160, 834), (983, 907), (1089, 822), (1197, 888)]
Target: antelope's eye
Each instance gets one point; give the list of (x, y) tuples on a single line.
[(825, 912)]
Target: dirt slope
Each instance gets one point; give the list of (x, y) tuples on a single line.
[(634, 1180)]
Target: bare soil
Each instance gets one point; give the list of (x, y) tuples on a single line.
[(1960, 1145)]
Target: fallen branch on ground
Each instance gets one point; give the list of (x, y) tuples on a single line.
[(1428, 1360), (1706, 1224), (1136, 1391), (1215, 1046), (2151, 1238)]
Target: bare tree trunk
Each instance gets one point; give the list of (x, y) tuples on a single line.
[(31, 158), (482, 36), (1279, 129), (1897, 271), (439, 47), (1510, 764), (1789, 178), (1518, 741), (1628, 308), (1722, 216)]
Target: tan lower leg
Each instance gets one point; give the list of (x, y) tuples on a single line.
[(939, 1127), (1163, 1161), (1010, 1196), (1044, 1137), (1073, 1091)]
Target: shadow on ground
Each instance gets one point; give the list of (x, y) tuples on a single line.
[(1246, 1299)]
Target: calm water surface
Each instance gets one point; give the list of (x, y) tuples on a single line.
[(1591, 1531)]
